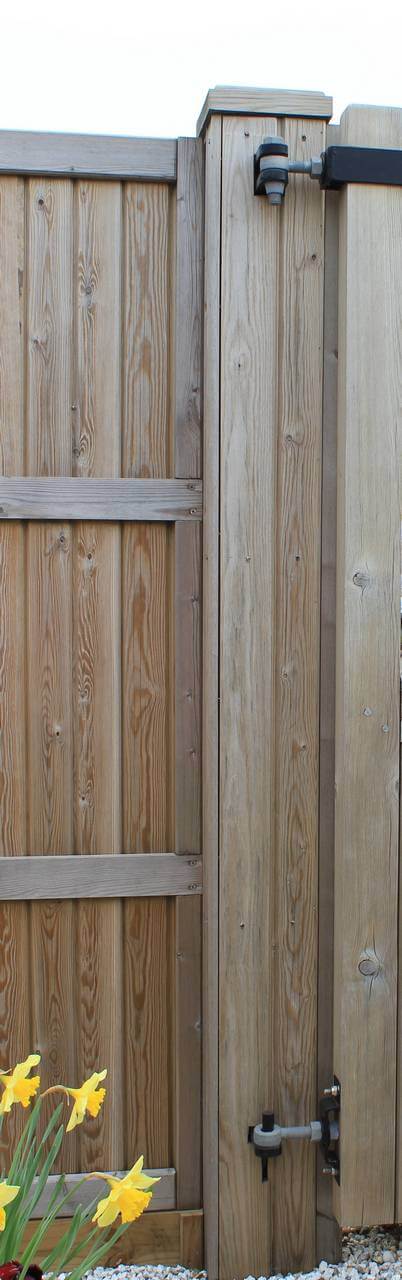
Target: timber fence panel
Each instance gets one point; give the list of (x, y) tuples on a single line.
[(368, 673)]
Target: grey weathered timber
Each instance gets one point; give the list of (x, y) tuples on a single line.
[(66, 498), (125, 875), (82, 155), (84, 1192), (234, 100)]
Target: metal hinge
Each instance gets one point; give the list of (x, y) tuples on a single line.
[(334, 168), (268, 1136)]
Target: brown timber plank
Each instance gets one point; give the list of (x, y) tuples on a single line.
[(87, 155), (97, 664), (188, 307), (15, 1009), (368, 675), (188, 840), (49, 327), (328, 1233), (210, 679), (146, 330), (99, 499), (156, 1237), (114, 875), (147, 973), (297, 699), (248, 495)]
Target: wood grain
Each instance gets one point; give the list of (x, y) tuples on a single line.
[(12, 296), (49, 327), (297, 611), (22, 498), (83, 1193), (146, 330), (112, 875), (12, 693), (146, 663), (210, 695), (15, 1008), (49, 711), (146, 977), (328, 1234), (248, 495), (54, 1006), (188, 307), (368, 676), (231, 99), (157, 1237), (96, 413), (87, 155)]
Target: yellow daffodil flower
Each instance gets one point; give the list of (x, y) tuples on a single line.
[(129, 1196), (17, 1086), (7, 1194), (88, 1098)]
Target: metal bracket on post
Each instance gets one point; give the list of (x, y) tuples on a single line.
[(267, 1137), (334, 168)]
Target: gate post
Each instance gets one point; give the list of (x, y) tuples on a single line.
[(262, 461)]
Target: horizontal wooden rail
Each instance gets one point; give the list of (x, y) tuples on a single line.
[(119, 875), (164, 1192), (64, 498), (77, 155)]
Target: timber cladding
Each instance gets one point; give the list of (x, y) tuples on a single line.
[(100, 656)]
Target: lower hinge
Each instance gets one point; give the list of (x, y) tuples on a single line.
[(268, 1136)]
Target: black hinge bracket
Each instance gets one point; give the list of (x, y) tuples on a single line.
[(379, 165)]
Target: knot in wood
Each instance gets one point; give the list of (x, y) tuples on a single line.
[(369, 965)]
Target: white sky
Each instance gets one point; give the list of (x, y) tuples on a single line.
[(144, 69)]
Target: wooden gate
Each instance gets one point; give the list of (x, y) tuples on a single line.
[(100, 509), (302, 345)]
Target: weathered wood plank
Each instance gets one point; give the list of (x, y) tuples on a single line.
[(22, 498), (97, 398), (297, 660), (53, 995), (188, 308), (210, 696), (248, 532), (146, 286), (12, 326), (147, 974), (234, 99), (146, 663), (49, 328), (83, 1193), (367, 698), (15, 1008), (187, 623), (328, 1233), (156, 1237), (87, 155), (112, 875)]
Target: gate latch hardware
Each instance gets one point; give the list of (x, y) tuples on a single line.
[(334, 168), (267, 1137)]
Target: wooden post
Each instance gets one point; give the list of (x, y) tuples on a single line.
[(367, 696), (263, 382)]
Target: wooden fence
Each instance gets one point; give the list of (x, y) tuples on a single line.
[(100, 551), (143, 288)]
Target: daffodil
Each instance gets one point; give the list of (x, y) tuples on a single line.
[(129, 1196), (7, 1194), (17, 1086), (88, 1098)]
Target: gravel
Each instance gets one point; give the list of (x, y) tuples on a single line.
[(375, 1254)]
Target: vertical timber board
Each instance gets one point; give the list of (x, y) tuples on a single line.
[(210, 699), (49, 311), (15, 1040), (146, 661), (186, 380), (328, 1233), (297, 668), (97, 659), (367, 696), (250, 242), (188, 308)]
